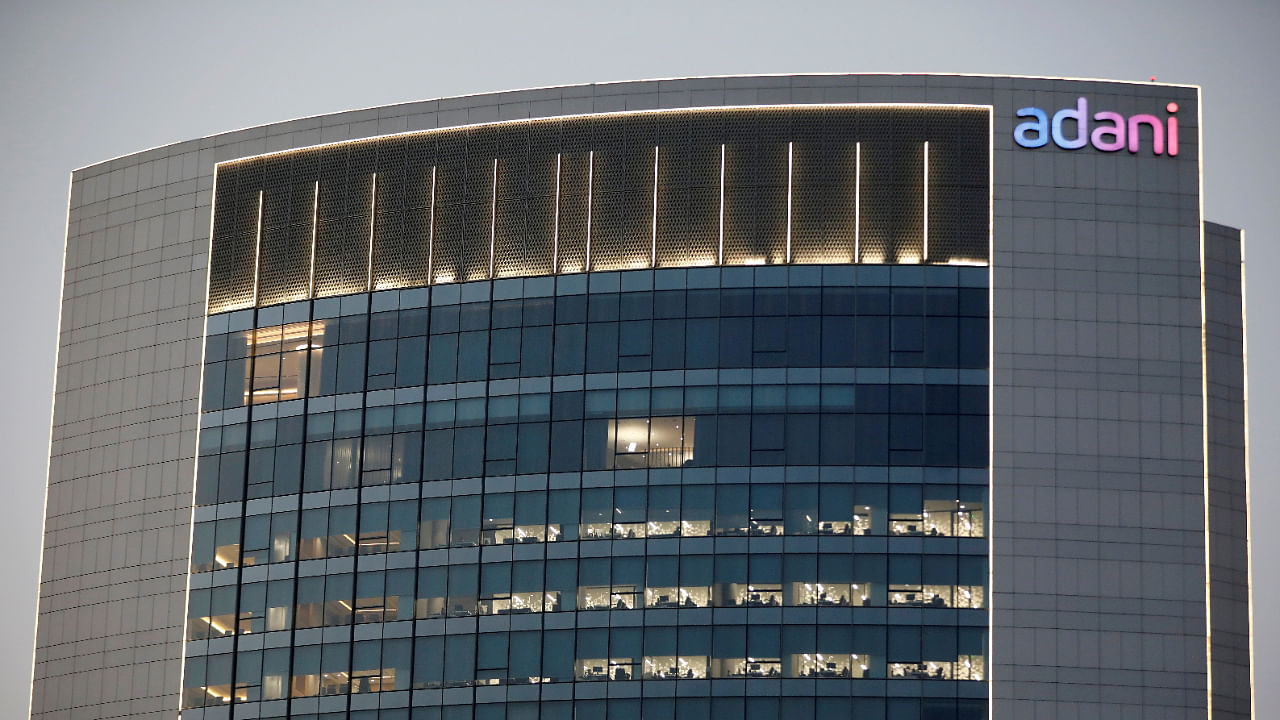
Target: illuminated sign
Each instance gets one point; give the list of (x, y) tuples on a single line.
[(1111, 132)]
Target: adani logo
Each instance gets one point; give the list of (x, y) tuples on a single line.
[(1111, 132)]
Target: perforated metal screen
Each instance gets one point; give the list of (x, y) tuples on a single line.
[(736, 186)]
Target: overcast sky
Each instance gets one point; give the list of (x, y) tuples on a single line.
[(81, 82)]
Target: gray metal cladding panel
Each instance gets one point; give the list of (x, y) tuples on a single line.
[(1228, 484), (1099, 570), (738, 186)]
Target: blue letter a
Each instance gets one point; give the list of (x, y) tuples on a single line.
[(1040, 126)]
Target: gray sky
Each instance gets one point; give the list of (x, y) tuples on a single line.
[(81, 82)]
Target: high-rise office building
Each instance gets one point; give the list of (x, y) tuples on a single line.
[(887, 396)]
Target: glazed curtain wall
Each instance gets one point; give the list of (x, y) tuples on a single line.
[(723, 186), (535, 497)]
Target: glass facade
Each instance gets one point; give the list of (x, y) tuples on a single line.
[(713, 492)]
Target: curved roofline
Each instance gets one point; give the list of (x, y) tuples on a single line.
[(640, 80)]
